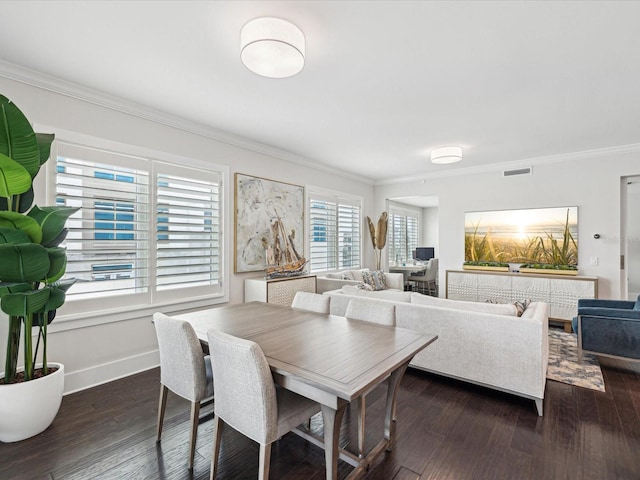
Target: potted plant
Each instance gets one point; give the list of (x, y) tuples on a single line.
[(31, 289)]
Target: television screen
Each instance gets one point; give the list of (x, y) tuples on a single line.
[(425, 253)]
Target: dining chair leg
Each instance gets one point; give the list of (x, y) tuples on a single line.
[(195, 415), (217, 435), (361, 408), (162, 405), (265, 461)]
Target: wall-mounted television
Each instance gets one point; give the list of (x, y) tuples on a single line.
[(534, 235), (424, 253)]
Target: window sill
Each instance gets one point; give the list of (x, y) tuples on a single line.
[(100, 317)]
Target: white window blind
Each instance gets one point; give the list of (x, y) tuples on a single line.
[(187, 232), (334, 226), (111, 249), (107, 244), (402, 235)]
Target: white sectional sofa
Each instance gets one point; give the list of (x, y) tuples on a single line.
[(333, 281), (481, 343)]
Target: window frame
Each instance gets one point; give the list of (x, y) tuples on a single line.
[(84, 312), (402, 211)]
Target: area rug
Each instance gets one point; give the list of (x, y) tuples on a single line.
[(565, 366)]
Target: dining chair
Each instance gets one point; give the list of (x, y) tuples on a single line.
[(372, 312), (248, 400), (184, 369), (313, 302), (427, 281)]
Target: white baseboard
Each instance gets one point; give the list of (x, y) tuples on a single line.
[(107, 372)]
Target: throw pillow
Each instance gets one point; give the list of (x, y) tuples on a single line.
[(521, 306), (365, 286), (375, 279), (637, 305)]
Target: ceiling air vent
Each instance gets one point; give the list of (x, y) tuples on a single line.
[(517, 171)]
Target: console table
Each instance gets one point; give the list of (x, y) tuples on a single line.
[(279, 291), (559, 291)]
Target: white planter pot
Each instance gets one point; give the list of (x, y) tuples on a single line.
[(28, 408)]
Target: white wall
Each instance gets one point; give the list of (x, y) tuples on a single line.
[(97, 353), (632, 259), (590, 182), (430, 228)]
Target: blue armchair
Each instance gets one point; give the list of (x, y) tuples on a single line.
[(609, 327)]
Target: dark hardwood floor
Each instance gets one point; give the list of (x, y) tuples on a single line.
[(446, 430)]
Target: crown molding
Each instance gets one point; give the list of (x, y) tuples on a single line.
[(76, 91), (563, 157)]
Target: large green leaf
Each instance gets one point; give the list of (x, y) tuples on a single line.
[(44, 144), (22, 222), (25, 200), (24, 262), (11, 235), (25, 303), (14, 178), (64, 285), (54, 242), (58, 264), (51, 220), (17, 138), (13, 287)]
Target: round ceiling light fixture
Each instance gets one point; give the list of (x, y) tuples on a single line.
[(446, 155), (272, 47)]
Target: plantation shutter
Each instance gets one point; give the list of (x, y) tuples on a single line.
[(187, 230), (334, 236), (403, 235), (107, 241)]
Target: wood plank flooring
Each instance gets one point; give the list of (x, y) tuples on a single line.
[(446, 430)]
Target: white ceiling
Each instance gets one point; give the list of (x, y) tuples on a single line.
[(383, 84)]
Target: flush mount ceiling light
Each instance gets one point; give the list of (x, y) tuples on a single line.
[(446, 155), (272, 47)]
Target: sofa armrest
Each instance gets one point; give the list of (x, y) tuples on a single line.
[(614, 313), (600, 303), (617, 336)]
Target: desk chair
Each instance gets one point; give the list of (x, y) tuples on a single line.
[(184, 369), (372, 312), (427, 283), (248, 400)]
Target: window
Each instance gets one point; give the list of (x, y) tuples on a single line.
[(402, 235), (334, 225), (111, 249)]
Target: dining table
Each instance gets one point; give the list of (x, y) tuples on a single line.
[(330, 359)]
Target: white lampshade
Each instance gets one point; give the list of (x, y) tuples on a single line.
[(272, 47), (446, 155)]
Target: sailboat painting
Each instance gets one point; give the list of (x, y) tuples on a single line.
[(269, 226)]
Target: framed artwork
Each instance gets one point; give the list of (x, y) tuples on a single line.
[(259, 204), (534, 235)]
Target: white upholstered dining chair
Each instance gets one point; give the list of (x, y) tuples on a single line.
[(372, 312), (184, 369), (313, 302), (248, 400)]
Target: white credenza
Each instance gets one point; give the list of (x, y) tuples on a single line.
[(279, 291), (559, 291)]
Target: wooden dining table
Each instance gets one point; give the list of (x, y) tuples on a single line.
[(327, 358)]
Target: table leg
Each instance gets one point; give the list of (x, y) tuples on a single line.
[(332, 420), (390, 414)]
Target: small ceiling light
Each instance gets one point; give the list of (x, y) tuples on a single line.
[(272, 47), (446, 155)]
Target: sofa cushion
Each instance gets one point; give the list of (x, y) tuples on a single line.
[(637, 305), (391, 295), (495, 308), (375, 278), (357, 274)]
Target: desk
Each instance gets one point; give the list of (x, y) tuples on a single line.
[(407, 271), (327, 358)]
